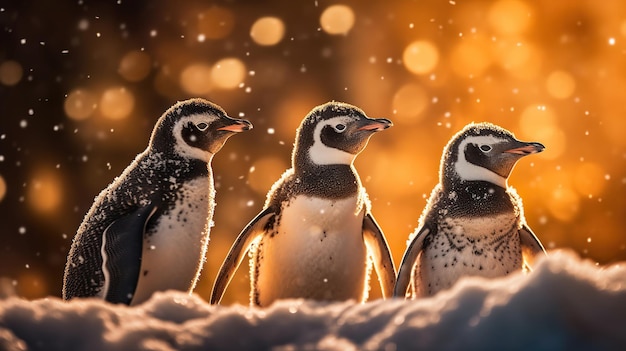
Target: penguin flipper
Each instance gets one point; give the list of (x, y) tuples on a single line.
[(531, 246), (381, 256), (408, 261), (122, 245), (237, 252)]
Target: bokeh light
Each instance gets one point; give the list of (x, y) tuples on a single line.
[(10, 72), (228, 73), (337, 19), (267, 31), (470, 57), (522, 60), (135, 66), (80, 104), (216, 22), (539, 123), (32, 284), (589, 179), (509, 16), (560, 84), (45, 194), (563, 203), (117, 103), (3, 188), (420, 57), (264, 173), (196, 79), (409, 103)]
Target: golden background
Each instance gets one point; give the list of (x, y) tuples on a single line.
[(82, 83)]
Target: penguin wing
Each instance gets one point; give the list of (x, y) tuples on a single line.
[(237, 252), (531, 246), (381, 256), (408, 261), (122, 245)]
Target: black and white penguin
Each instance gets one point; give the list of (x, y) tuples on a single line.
[(316, 235), (149, 229), (473, 224)]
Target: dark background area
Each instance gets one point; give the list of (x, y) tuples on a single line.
[(82, 83)]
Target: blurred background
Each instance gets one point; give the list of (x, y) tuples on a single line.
[(83, 82)]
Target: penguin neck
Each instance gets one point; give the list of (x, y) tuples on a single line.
[(328, 181), (182, 166), (480, 198)]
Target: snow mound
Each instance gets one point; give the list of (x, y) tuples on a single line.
[(565, 304)]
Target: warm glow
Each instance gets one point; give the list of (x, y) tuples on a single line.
[(3, 188), (418, 173), (80, 104), (215, 23), (32, 285), (80, 98), (560, 84), (291, 110), (117, 103), (337, 19), (420, 57), (408, 103), (563, 203), (509, 16), (10, 72), (536, 117), (196, 79), (521, 60), (135, 66), (589, 179), (267, 31), (228, 73), (470, 58), (539, 123), (45, 193), (265, 172)]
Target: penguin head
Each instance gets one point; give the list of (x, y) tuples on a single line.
[(334, 133), (483, 152), (195, 129)]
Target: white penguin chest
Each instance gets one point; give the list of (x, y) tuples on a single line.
[(477, 227), (317, 251), (173, 252), (482, 246), (309, 221)]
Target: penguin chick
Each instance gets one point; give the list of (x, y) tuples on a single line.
[(149, 229), (473, 224), (313, 237)]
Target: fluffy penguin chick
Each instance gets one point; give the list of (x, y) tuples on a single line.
[(149, 229), (473, 224), (313, 238)]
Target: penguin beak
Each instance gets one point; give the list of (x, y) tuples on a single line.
[(526, 149), (239, 126), (376, 125)]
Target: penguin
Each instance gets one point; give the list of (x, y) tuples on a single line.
[(316, 235), (149, 229), (473, 223)]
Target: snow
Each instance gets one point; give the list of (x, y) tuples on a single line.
[(566, 304)]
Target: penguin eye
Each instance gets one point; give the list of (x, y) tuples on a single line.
[(340, 128), (485, 148), (202, 126)]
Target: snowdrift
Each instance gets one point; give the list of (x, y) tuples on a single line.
[(565, 304)]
